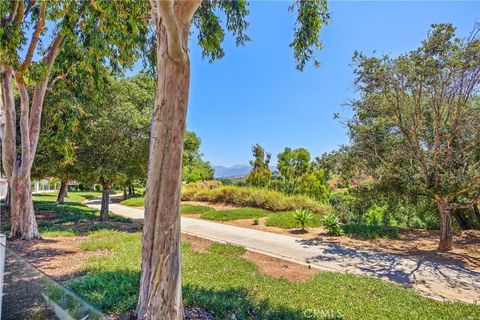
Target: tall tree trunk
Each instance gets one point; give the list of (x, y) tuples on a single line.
[(105, 200), (24, 225), (17, 165), (63, 192), (125, 195), (476, 210), (446, 232), (160, 285), (6, 205)]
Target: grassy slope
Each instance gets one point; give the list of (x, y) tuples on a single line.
[(222, 281)]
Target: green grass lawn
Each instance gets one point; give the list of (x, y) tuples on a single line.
[(287, 220), (70, 212), (193, 209), (223, 282), (234, 214), (134, 202)]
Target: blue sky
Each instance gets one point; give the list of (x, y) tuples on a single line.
[(255, 94)]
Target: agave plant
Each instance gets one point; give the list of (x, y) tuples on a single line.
[(332, 225), (303, 217)]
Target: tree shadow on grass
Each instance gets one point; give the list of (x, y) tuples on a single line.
[(239, 303), (117, 294)]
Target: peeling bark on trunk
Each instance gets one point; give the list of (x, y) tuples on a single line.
[(160, 287), (105, 200), (24, 225), (6, 205), (17, 164), (63, 192), (446, 232)]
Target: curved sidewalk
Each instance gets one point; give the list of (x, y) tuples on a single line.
[(439, 281)]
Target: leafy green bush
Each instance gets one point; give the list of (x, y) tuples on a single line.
[(252, 197), (256, 221), (287, 220), (303, 217), (332, 225), (370, 231), (376, 216)]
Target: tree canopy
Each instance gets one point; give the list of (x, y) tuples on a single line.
[(417, 120)]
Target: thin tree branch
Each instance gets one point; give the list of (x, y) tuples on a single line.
[(35, 37), (9, 145), (174, 36), (24, 125)]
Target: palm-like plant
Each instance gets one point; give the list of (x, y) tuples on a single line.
[(303, 217), (332, 225)]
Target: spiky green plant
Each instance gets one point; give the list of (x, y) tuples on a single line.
[(303, 217)]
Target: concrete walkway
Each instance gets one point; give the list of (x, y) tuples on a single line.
[(439, 281)]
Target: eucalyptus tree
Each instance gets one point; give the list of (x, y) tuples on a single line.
[(418, 120), (292, 164), (160, 285), (194, 168), (102, 28), (261, 174)]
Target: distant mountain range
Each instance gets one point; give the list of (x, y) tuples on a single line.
[(238, 171)]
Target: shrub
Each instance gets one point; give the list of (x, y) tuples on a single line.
[(370, 231), (376, 216), (252, 197), (302, 216), (332, 225), (256, 221)]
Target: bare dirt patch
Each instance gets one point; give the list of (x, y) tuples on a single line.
[(279, 268), (198, 244), (59, 257), (274, 267)]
